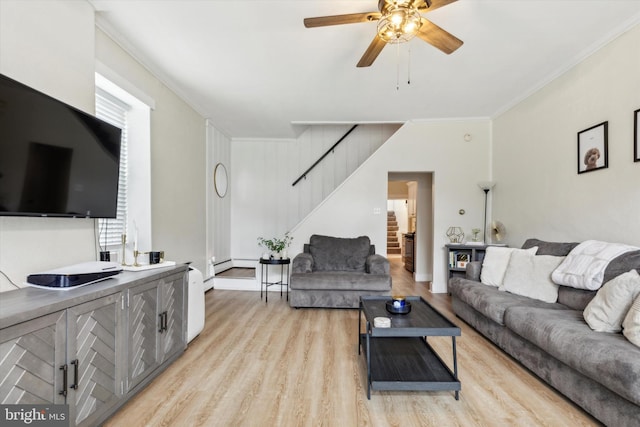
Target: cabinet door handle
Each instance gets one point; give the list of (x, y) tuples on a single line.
[(76, 364), (63, 392), (164, 321)]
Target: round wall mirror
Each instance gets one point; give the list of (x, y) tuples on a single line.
[(220, 180)]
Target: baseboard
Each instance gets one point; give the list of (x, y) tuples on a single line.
[(423, 277), (245, 263), (236, 283), (222, 266)]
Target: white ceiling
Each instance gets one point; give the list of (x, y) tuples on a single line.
[(257, 72)]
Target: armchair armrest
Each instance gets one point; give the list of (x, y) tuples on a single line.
[(472, 271), (377, 264), (302, 263)]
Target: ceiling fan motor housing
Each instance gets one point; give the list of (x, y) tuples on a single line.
[(385, 5)]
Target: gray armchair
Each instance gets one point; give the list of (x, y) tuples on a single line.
[(334, 272)]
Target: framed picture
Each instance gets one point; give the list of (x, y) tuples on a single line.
[(592, 148), (636, 136)]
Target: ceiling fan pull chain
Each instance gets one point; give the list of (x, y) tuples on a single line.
[(409, 65), (397, 66)]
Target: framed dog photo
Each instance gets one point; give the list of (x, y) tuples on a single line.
[(636, 135), (593, 148)]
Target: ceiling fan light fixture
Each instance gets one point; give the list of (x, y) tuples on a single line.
[(399, 24)]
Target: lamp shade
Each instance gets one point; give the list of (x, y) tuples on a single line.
[(486, 185)]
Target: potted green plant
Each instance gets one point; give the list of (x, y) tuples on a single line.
[(277, 247)]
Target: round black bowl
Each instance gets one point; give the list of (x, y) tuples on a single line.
[(398, 310)]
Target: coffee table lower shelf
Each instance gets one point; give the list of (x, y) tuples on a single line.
[(406, 363)]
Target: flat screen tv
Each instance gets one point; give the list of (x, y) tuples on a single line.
[(55, 160)]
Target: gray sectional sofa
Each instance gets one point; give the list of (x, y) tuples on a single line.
[(334, 272), (598, 371)]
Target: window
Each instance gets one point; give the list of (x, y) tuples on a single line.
[(114, 111), (123, 104)]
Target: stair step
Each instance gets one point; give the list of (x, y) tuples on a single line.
[(392, 228), (394, 251), (393, 245), (393, 223)]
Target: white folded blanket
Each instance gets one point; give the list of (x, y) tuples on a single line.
[(585, 265)]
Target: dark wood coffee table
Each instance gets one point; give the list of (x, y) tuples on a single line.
[(400, 357)]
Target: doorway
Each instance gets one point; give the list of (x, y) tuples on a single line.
[(410, 198)]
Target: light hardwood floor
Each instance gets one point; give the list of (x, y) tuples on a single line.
[(258, 364)]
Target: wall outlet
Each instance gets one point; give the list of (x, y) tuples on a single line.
[(376, 211)]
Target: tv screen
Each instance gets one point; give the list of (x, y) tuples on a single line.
[(55, 160)]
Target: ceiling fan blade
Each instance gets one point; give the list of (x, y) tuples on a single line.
[(431, 5), (372, 52), (352, 18), (437, 37)]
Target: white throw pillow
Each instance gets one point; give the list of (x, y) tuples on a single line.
[(529, 275), (494, 264), (631, 323), (608, 308)]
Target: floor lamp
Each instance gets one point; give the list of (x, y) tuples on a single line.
[(486, 186)]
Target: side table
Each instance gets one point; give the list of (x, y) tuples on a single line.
[(264, 276)]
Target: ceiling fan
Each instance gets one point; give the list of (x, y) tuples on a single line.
[(398, 22)]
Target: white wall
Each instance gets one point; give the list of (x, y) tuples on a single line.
[(264, 202), (178, 160), (53, 46), (437, 147), (539, 192), (49, 46)]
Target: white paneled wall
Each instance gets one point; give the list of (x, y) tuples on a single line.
[(218, 208), (263, 200)]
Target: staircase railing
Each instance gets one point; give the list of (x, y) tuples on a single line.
[(333, 147)]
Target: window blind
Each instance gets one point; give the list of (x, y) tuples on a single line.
[(114, 111)]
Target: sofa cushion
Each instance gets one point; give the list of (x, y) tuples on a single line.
[(606, 358), (340, 281), (549, 248), (495, 262), (631, 323), (338, 253), (529, 275), (490, 301), (607, 310), (575, 299), (621, 264)]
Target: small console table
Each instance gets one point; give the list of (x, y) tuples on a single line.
[(264, 276)]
